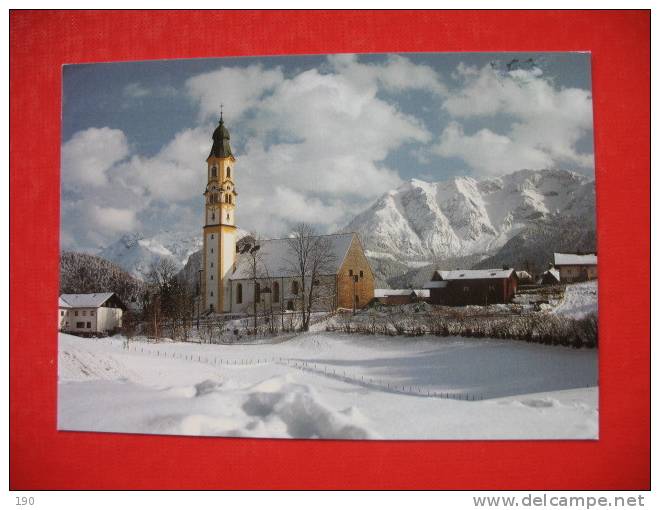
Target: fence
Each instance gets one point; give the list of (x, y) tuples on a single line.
[(315, 368)]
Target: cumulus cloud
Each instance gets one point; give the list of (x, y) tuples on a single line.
[(88, 155), (135, 89), (238, 88), (546, 122)]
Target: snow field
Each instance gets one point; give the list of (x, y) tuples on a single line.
[(329, 386)]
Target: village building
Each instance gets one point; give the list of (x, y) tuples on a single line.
[(401, 296), (576, 267), (550, 277), (233, 279), (524, 277), (472, 287), (90, 313)]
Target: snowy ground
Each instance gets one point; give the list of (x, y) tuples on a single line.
[(327, 385), (580, 299)]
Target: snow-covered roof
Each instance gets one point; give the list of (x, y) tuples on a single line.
[(475, 274), (553, 272), (86, 300), (275, 256), (381, 293), (523, 274), (435, 285), (571, 259), (63, 304)]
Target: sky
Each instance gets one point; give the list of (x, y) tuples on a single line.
[(317, 138)]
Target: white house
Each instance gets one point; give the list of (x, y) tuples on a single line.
[(90, 313), (576, 267)]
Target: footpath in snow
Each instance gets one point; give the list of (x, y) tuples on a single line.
[(323, 385)]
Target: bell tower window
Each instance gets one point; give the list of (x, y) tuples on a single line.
[(228, 173), (214, 171)]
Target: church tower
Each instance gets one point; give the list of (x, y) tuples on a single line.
[(219, 233)]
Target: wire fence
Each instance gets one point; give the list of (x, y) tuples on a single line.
[(343, 375)]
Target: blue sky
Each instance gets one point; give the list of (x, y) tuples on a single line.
[(318, 138)]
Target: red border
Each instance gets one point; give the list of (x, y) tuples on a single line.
[(41, 457)]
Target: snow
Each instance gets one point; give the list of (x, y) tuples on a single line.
[(580, 299), (328, 385), (573, 259), (475, 274)]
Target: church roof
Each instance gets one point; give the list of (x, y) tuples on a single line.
[(221, 148), (276, 255)]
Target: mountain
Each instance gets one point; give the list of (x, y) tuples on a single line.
[(421, 221), (424, 224), (135, 252)]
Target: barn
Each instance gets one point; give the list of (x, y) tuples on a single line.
[(90, 313), (472, 287)]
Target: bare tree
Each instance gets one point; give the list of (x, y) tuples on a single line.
[(310, 257)]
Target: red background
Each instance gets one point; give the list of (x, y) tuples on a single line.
[(41, 457)]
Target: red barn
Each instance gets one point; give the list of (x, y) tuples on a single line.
[(472, 287)]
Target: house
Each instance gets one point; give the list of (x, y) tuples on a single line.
[(550, 277), (90, 313), (346, 281), (524, 277), (227, 279), (472, 287), (576, 267), (401, 296)]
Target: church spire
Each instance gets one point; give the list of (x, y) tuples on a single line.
[(220, 147)]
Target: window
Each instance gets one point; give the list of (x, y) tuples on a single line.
[(361, 274), (89, 325), (211, 264), (294, 287), (357, 299), (491, 288), (211, 294), (289, 305), (76, 312), (214, 171), (239, 293), (276, 292), (84, 312), (350, 272), (91, 313), (228, 173), (212, 236), (466, 289), (257, 292), (211, 277), (62, 313), (211, 250), (80, 324)]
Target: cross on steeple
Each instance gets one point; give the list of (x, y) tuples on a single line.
[(221, 105)]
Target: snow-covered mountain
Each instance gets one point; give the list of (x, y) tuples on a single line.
[(422, 222), (135, 252)]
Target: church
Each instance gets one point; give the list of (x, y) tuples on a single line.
[(230, 283)]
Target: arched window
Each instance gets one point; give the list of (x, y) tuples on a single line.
[(257, 292), (276, 292), (228, 173), (239, 293), (294, 287), (214, 171)]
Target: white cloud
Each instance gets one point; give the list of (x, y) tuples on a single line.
[(114, 220), (546, 122), (237, 88), (136, 90), (489, 153), (395, 75), (88, 155)]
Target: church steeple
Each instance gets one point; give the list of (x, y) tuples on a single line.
[(219, 227), (221, 148)]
